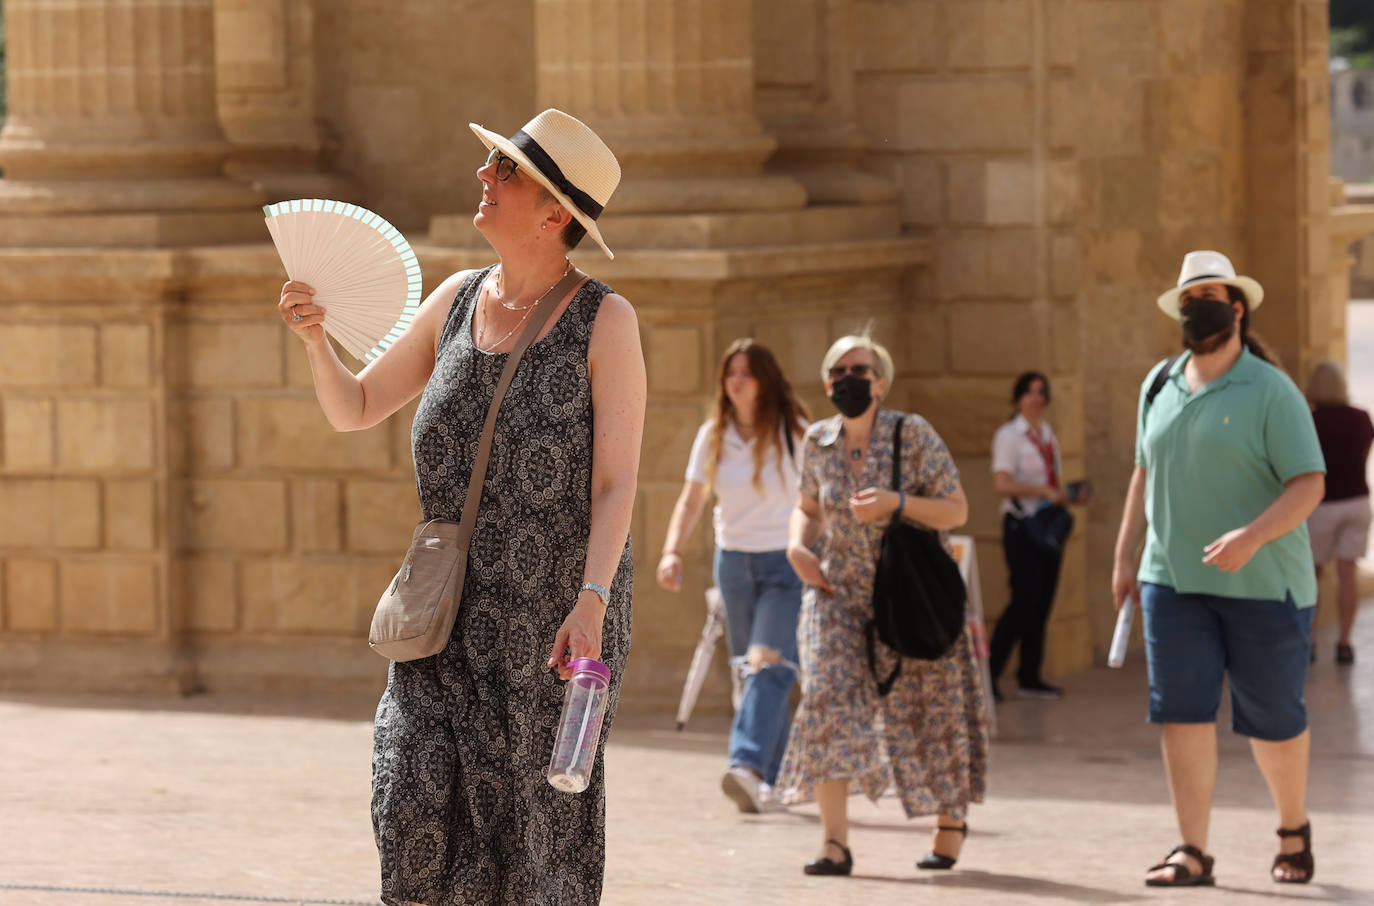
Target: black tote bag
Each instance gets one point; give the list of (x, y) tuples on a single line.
[(918, 594)]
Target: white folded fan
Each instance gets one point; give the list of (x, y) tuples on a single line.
[(363, 271)]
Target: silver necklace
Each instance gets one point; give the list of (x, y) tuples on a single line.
[(501, 291), (527, 309)]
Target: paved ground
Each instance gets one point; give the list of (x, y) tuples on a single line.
[(211, 800)]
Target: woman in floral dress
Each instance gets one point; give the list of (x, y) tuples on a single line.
[(927, 737)]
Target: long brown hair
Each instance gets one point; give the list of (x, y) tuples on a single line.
[(777, 405), (1248, 338)]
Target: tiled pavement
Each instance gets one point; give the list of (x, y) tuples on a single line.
[(218, 800)]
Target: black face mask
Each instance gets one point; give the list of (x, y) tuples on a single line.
[(1201, 318), (852, 395)]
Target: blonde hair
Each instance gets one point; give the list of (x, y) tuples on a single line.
[(882, 361), (1326, 386)]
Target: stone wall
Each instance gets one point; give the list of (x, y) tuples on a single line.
[(997, 185), (1352, 125)]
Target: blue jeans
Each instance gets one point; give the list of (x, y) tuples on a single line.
[(762, 597)]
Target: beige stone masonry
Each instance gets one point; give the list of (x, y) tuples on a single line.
[(233, 514), (30, 595), (111, 136), (28, 433), (109, 595), (994, 184), (266, 85), (210, 586)]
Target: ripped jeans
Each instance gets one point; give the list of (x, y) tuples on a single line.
[(762, 596)]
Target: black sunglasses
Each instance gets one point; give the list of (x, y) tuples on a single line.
[(859, 371), (505, 166)]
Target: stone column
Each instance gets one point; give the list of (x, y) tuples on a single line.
[(669, 84), (807, 101), (112, 137), (1288, 165), (1350, 223), (265, 84)]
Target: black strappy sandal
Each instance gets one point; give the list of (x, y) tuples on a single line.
[(1183, 875), (1301, 860), (937, 861), (828, 866)]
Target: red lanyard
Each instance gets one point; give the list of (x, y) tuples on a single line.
[(1046, 453)]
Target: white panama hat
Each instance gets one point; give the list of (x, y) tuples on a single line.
[(563, 154), (1209, 267)]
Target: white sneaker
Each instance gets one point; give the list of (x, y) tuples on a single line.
[(768, 799), (748, 791)]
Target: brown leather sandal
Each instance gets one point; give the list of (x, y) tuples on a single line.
[(1183, 875), (1301, 860)]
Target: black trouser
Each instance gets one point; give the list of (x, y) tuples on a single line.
[(1034, 574)]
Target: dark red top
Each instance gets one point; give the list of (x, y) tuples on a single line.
[(1345, 434)]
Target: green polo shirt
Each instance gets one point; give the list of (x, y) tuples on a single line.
[(1214, 460)]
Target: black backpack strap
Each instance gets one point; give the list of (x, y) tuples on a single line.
[(1161, 378), (871, 628), (897, 461), (871, 639)]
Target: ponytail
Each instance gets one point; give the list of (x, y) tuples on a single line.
[(1248, 338)]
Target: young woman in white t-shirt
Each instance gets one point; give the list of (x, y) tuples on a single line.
[(747, 453)]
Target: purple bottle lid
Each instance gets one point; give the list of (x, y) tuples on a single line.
[(589, 665)]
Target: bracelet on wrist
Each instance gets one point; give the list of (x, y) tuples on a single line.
[(600, 591)]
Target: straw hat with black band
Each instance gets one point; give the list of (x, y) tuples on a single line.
[(565, 156), (1209, 267)]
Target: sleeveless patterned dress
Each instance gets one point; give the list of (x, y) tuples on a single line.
[(461, 809)]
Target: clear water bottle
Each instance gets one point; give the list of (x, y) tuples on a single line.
[(579, 728)]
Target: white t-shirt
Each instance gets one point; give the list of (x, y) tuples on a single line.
[(746, 520), (1015, 453)]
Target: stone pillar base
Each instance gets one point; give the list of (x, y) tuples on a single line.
[(115, 213), (824, 157), (713, 230), (277, 184)]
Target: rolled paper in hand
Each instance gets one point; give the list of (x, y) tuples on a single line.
[(1117, 655)]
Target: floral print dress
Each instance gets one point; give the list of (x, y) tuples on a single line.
[(928, 737)]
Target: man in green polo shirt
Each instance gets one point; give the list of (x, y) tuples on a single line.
[(1227, 470)]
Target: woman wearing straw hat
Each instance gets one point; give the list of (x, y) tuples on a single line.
[(1227, 470), (460, 807)]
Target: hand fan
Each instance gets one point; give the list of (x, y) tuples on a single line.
[(362, 269)]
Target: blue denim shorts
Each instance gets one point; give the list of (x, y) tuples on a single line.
[(1261, 647)]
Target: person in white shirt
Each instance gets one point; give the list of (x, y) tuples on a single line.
[(747, 454), (1026, 472)]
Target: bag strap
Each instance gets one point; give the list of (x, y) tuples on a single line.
[(871, 640), (468, 522), (787, 435), (897, 463), (871, 627), (1161, 378)]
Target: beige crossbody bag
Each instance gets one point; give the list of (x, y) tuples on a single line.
[(416, 613)]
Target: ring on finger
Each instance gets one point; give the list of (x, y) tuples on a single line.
[(295, 315)]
